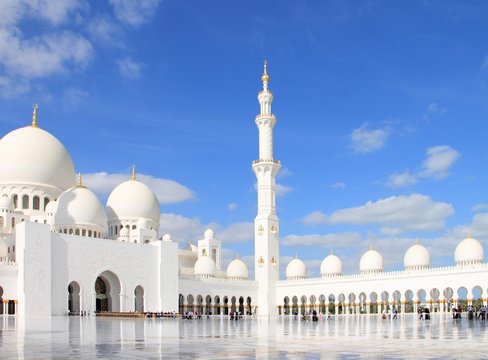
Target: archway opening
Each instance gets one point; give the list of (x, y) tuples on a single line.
[(1, 300), (107, 290), (139, 299), (74, 291)]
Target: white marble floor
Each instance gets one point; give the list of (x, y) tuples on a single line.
[(341, 338)]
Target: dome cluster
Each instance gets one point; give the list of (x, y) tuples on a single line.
[(469, 252), (37, 179)]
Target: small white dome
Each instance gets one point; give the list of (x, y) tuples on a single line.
[(33, 156), (3, 247), (204, 267), (371, 262), (237, 269), (166, 237), (469, 252), (79, 206), (331, 266), (6, 203), (416, 258), (51, 207), (209, 234), (133, 200), (296, 269)]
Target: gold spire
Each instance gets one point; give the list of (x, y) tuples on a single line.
[(371, 246), (468, 234), (331, 251), (237, 256), (133, 177), (34, 115), (265, 77), (417, 241), (80, 181)]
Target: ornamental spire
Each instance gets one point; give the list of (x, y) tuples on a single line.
[(133, 177), (265, 76), (80, 181), (34, 115)]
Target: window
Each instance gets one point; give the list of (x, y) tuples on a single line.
[(133, 227), (15, 199), (13, 223), (46, 201), (36, 203), (25, 202)]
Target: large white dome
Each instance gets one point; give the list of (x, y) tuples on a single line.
[(33, 156), (79, 206), (469, 252), (133, 200), (204, 267), (331, 266), (237, 269), (296, 269), (371, 262), (416, 258)]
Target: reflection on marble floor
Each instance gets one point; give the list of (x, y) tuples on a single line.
[(341, 338)]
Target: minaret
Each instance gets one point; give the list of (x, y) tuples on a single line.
[(266, 223)]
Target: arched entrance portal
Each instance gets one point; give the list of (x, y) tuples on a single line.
[(74, 298), (107, 291), (139, 299)]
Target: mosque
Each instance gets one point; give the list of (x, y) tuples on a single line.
[(62, 251)]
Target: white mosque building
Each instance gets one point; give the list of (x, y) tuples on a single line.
[(62, 251)]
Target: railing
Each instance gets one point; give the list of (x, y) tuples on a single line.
[(393, 274), (266, 161)]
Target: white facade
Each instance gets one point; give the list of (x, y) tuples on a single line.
[(62, 251)]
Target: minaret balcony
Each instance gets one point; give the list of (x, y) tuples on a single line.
[(264, 116), (266, 161)]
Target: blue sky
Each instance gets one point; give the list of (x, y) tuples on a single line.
[(381, 109)]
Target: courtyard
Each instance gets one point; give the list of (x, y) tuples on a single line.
[(355, 337)]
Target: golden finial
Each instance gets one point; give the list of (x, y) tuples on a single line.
[(34, 115), (417, 241), (237, 256), (265, 77), (80, 181), (371, 246), (331, 251), (468, 234), (133, 177)]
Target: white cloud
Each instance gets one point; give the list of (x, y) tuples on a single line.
[(282, 190), (485, 63), (182, 228), (105, 30), (333, 241), (134, 12), (401, 179), (11, 87), (43, 55), (338, 185), (315, 218), (129, 68), (75, 96), (439, 160), (55, 12), (479, 207), (365, 140), (167, 191), (413, 212), (241, 232), (232, 206), (284, 172), (435, 108)]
